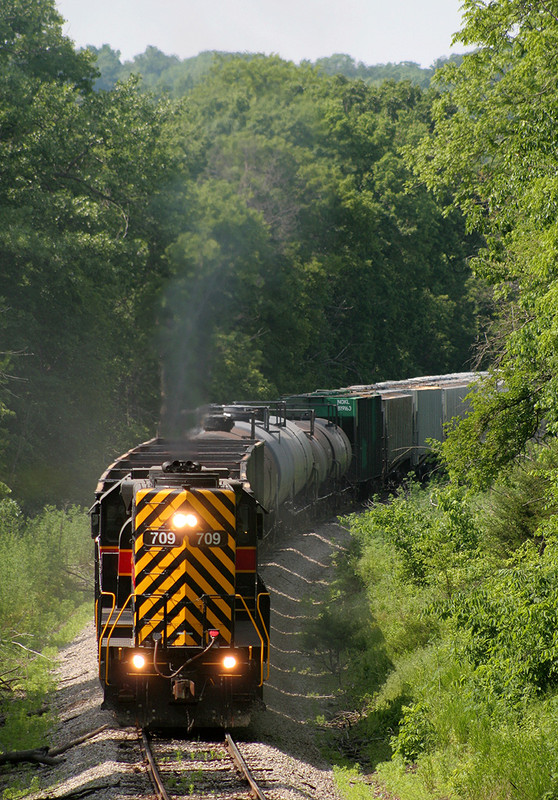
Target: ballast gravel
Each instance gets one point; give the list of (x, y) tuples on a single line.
[(108, 766)]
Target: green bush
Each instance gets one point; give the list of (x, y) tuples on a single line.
[(45, 569), (46, 575), (464, 601), (416, 732)]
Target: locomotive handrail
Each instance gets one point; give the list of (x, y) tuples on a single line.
[(260, 595), (105, 594), (252, 620), (115, 623), (97, 615)]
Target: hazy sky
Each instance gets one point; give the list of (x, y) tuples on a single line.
[(372, 31)]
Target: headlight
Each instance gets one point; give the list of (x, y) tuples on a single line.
[(180, 521), (138, 661), (229, 662)]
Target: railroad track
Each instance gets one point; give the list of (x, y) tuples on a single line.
[(198, 769)]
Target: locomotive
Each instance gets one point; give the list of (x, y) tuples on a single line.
[(182, 614)]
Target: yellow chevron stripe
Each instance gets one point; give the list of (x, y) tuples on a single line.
[(144, 562), (149, 556), (195, 560), (223, 557), (148, 603), (165, 586), (221, 579), (184, 617), (156, 500), (223, 606), (215, 500), (226, 561), (208, 589), (177, 574), (178, 500), (167, 510), (182, 640), (211, 617), (204, 512), (146, 579)]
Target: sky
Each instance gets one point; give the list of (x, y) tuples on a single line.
[(371, 31)]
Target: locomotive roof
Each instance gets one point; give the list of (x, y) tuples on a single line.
[(215, 453)]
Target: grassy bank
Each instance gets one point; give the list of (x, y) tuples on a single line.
[(45, 598), (449, 610)]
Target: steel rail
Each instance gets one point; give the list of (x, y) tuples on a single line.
[(154, 773), (242, 766)]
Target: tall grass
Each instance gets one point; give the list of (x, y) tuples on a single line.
[(464, 598), (46, 578)]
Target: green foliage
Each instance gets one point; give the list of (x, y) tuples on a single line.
[(493, 156), (522, 503), (160, 73), (462, 591), (257, 238), (79, 249), (46, 566), (341, 64), (25, 726), (509, 623), (433, 536), (163, 73), (415, 734), (303, 248)]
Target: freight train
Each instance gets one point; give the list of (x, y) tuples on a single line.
[(182, 614)]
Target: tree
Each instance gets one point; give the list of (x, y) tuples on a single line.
[(80, 172), (109, 65), (493, 154), (302, 210)]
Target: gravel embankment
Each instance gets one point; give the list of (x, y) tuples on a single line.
[(107, 767)]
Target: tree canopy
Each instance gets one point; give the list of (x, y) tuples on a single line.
[(79, 171), (168, 73), (258, 236), (493, 156), (305, 259)]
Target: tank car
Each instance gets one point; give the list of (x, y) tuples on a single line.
[(303, 455)]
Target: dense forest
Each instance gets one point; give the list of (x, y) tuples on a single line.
[(257, 234), (162, 73), (457, 678), (235, 226)]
